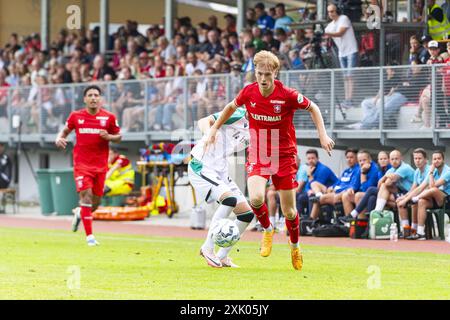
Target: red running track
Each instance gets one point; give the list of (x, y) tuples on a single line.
[(432, 246)]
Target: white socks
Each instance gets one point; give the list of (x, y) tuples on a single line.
[(421, 230), (354, 213), (404, 222), (319, 194), (414, 226), (380, 204), (415, 199), (272, 220)]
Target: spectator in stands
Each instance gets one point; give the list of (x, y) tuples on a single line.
[(369, 198), (341, 30), (213, 46), (230, 23), (333, 194), (367, 177), (250, 18), (250, 52), (282, 37), (438, 24), (127, 95), (264, 20), (319, 173), (270, 42), (417, 51), (418, 11), (420, 184), (194, 64), (396, 182), (434, 196), (296, 63), (100, 69), (5, 169), (282, 20), (165, 49), (167, 106), (158, 70)]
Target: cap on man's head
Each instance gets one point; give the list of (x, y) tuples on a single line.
[(433, 44), (228, 15), (236, 67)]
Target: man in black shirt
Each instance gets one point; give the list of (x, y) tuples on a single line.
[(5, 171)]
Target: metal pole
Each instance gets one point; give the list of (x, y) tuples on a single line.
[(146, 89), (185, 104), (45, 24), (332, 101), (382, 44), (169, 15), (433, 97), (241, 15), (104, 23), (320, 10), (409, 10), (381, 100)]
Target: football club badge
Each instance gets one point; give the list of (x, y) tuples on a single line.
[(277, 108)]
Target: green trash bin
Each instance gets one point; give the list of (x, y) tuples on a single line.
[(64, 193), (45, 191)]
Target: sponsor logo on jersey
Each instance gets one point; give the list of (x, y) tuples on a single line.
[(252, 104), (89, 130), (277, 108), (300, 98), (102, 118), (80, 121), (278, 101), (261, 117)]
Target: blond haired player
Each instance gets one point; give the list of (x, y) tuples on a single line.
[(273, 145)]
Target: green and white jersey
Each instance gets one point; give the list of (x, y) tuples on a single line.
[(232, 137)]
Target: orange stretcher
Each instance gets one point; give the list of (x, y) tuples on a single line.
[(120, 213)]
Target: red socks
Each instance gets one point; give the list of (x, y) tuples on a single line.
[(292, 226), (263, 215), (86, 216)]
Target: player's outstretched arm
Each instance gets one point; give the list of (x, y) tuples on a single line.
[(61, 138), (325, 141), (204, 124), (227, 112)]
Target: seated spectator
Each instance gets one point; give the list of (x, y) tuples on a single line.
[(213, 46), (3, 95), (270, 43), (333, 194), (294, 60), (367, 177), (369, 198), (417, 51), (250, 18), (194, 64), (5, 171), (127, 95), (282, 20), (119, 179), (396, 182), (249, 54), (434, 196), (318, 173), (230, 26), (419, 185), (166, 108), (394, 98), (158, 70), (264, 21), (100, 68)]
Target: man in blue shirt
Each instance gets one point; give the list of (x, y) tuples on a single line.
[(333, 194), (282, 20), (264, 20), (366, 177), (438, 191), (397, 180), (420, 184)]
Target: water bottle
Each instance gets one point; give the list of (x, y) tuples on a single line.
[(393, 232)]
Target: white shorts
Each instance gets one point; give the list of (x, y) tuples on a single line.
[(210, 185)]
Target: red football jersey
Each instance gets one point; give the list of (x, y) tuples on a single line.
[(91, 151), (271, 120)]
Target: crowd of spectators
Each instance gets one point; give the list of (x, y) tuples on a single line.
[(368, 184)]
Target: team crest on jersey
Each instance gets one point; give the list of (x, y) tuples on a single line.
[(103, 122), (277, 108)]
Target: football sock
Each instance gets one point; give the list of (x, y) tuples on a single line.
[(292, 226), (263, 216), (354, 213), (405, 222), (380, 204), (421, 230), (86, 216), (272, 220), (414, 226), (242, 226), (415, 199), (222, 212)]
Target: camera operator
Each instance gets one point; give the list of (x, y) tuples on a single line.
[(341, 30)]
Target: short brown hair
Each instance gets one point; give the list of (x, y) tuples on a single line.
[(312, 151), (421, 151), (440, 152)]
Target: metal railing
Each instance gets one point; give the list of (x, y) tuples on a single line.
[(153, 109)]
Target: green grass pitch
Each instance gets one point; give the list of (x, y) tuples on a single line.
[(46, 264)]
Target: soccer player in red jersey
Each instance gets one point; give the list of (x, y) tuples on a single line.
[(273, 145), (94, 128)]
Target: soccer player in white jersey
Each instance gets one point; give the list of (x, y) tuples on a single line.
[(208, 174)]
